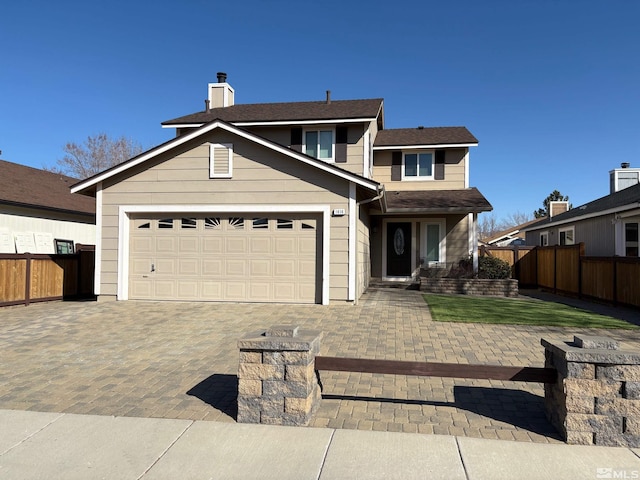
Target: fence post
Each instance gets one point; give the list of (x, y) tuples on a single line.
[(27, 287), (277, 383)]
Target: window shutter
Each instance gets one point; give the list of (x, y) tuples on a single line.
[(341, 144), (296, 139), (396, 166), (438, 174), (220, 160)]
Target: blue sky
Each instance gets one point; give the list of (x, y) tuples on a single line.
[(551, 88)]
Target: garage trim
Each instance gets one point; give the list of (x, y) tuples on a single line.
[(124, 222)]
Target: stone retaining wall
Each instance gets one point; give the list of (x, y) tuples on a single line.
[(596, 399), (470, 286)]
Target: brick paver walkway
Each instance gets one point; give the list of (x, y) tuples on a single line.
[(179, 360)]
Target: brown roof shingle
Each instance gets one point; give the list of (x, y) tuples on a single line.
[(27, 186), (289, 111), (424, 136), (447, 201)]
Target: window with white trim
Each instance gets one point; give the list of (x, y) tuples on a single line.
[(433, 248), (567, 236), (544, 239), (418, 165), (631, 239), (319, 144), (220, 160)]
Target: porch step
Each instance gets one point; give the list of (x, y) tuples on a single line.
[(404, 284)]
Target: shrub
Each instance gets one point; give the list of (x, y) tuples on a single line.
[(492, 267)]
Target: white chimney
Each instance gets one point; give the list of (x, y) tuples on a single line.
[(557, 207), (623, 177), (220, 94)]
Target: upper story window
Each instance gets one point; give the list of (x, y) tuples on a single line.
[(418, 166), (319, 144)]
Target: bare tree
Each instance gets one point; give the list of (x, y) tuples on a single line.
[(488, 225), (96, 154), (517, 218)]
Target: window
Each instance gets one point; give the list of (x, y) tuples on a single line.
[(236, 223), (212, 223), (544, 239), (433, 242), (165, 223), (64, 246), (260, 223), (631, 239), (189, 223), (417, 166), (319, 144), (284, 224), (220, 160), (567, 236)]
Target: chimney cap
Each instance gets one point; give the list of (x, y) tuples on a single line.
[(625, 165), (420, 127), (222, 77)]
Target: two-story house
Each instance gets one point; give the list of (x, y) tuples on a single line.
[(300, 202)]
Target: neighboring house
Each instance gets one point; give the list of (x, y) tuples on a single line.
[(37, 205), (510, 236), (607, 226), (298, 202)]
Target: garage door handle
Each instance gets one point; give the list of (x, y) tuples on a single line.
[(153, 267)]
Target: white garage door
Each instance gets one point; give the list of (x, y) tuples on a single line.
[(238, 258)]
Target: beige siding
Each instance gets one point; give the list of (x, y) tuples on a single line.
[(364, 255), (355, 139), (453, 173), (260, 177)]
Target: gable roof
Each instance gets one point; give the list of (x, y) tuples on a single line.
[(403, 137), (626, 199), (288, 112), (87, 185), (449, 201), (511, 232), (31, 187)]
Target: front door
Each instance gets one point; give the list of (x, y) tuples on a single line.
[(399, 249)]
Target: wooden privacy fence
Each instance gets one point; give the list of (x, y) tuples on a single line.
[(565, 269), (27, 278)]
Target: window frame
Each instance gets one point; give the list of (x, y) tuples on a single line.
[(418, 177), (564, 230), (212, 149), (628, 243), (331, 159), (442, 242), (545, 235)]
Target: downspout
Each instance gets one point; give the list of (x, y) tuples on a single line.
[(474, 233)]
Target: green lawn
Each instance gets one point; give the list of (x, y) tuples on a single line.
[(468, 309)]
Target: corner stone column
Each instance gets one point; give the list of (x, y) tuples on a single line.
[(596, 398), (277, 383)]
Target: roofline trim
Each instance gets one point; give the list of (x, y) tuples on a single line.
[(277, 123), (370, 184), (426, 145), (628, 206), (48, 208), (400, 210)]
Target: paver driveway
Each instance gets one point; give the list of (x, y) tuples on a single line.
[(179, 360)]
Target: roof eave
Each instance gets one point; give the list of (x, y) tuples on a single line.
[(586, 216), (425, 145)]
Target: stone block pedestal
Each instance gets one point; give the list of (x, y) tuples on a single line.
[(596, 398), (277, 383)]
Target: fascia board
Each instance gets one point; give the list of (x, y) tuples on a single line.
[(430, 211), (370, 184), (278, 123), (433, 145)]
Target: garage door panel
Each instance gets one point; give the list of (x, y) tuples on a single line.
[(260, 245), (212, 245), (235, 267), (189, 245), (212, 266), (189, 266), (166, 244), (226, 258), (188, 289), (286, 246), (260, 268)]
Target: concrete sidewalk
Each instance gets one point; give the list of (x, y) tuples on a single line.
[(35, 445)]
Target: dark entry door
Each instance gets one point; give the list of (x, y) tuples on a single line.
[(399, 249)]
